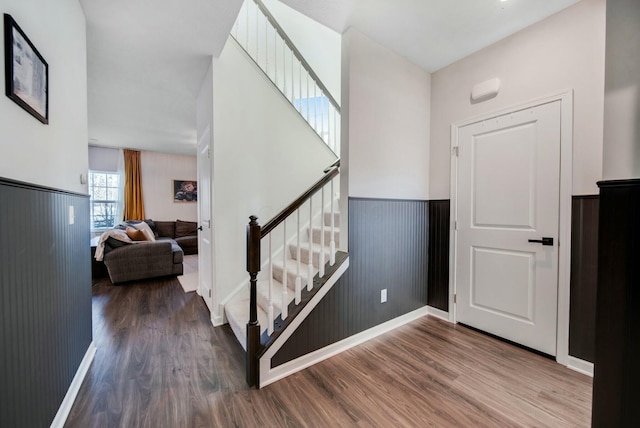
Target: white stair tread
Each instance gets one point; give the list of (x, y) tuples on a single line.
[(316, 249), (263, 295), (292, 266)]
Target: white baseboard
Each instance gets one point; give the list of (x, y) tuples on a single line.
[(438, 313), (315, 357), (580, 366), (218, 320), (74, 388)]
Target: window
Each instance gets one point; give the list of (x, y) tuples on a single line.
[(104, 189)]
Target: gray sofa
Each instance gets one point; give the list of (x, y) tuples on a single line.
[(185, 233), (129, 262)]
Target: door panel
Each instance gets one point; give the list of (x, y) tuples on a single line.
[(504, 197), (491, 267), (205, 250), (508, 193)]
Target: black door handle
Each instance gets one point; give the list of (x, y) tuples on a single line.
[(200, 228), (543, 241)]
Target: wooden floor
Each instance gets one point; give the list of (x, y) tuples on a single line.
[(160, 363)]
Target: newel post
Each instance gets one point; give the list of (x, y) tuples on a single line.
[(253, 326)]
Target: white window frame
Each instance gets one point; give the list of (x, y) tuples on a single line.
[(92, 200)]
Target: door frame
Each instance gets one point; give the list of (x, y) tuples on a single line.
[(564, 235)]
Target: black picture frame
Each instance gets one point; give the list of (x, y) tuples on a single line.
[(185, 191), (26, 72)]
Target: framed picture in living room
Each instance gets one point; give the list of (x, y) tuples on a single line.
[(26, 72), (185, 191)]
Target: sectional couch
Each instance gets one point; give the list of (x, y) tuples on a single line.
[(130, 261)]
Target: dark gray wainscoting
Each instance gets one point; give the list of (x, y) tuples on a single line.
[(439, 232), (584, 276), (388, 248), (45, 300)]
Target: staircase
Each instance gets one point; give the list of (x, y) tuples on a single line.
[(296, 260), (292, 260)]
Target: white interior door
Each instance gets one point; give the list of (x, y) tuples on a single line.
[(205, 250), (508, 195)]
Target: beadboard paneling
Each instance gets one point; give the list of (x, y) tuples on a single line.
[(584, 276), (438, 291), (388, 246), (45, 300)]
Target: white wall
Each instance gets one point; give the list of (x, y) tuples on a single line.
[(56, 154), (103, 158), (264, 156), (387, 122), (565, 51), (622, 91), (158, 172), (204, 103), (319, 45)]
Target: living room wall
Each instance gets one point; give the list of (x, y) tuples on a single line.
[(158, 172)]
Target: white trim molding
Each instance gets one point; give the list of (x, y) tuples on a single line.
[(580, 366), (564, 239), (437, 313), (74, 388), (269, 375)]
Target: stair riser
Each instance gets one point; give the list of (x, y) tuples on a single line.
[(327, 219), (263, 300), (291, 277), (238, 316), (327, 236), (304, 255)]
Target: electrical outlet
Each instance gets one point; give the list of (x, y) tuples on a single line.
[(383, 295)]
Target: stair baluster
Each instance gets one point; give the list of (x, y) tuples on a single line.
[(270, 313), (310, 258), (332, 243), (285, 297), (298, 278), (321, 255)]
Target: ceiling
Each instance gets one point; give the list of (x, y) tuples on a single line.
[(146, 59)]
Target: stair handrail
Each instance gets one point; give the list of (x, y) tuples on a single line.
[(255, 233), (296, 52), (285, 213)]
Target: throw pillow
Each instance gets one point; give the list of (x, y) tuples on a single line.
[(186, 228), (136, 235), (144, 228)]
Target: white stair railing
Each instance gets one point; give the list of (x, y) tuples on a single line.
[(315, 257), (262, 38)]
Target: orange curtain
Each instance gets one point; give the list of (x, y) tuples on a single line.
[(133, 204)]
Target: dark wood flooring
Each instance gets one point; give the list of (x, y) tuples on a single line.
[(160, 363)]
